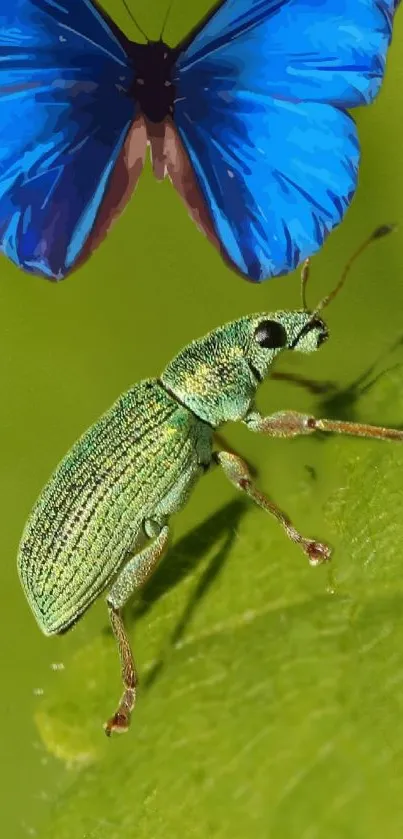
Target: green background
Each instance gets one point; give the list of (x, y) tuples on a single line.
[(272, 694)]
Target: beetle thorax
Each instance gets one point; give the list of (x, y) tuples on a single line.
[(212, 378)]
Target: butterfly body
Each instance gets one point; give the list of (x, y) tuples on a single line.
[(154, 90), (247, 116)]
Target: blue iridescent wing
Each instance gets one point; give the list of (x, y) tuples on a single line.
[(65, 111), (261, 95)]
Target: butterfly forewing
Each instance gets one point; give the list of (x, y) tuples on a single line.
[(261, 91), (64, 118)]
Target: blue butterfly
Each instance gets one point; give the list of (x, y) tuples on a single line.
[(247, 116)]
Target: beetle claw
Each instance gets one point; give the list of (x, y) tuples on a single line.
[(317, 552), (118, 724)]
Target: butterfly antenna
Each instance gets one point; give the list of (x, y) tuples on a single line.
[(378, 233), (130, 13), (167, 13)]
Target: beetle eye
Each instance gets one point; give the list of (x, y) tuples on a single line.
[(271, 335)]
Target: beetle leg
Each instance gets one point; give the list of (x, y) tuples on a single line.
[(237, 472), (221, 441), (294, 423), (133, 576)]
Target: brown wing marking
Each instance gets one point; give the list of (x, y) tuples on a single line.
[(123, 181)]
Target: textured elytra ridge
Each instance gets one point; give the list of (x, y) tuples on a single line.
[(90, 515)]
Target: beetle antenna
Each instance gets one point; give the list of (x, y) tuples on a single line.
[(167, 13), (378, 233), (304, 279), (130, 13)]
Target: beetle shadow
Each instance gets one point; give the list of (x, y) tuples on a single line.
[(340, 402), (181, 560)]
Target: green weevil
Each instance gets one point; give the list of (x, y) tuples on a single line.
[(102, 519)]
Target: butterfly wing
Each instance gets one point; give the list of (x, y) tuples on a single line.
[(261, 95), (65, 114)]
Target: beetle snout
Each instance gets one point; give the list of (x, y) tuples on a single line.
[(318, 325)]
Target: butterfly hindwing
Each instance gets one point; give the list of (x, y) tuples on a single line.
[(261, 95), (64, 75)]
